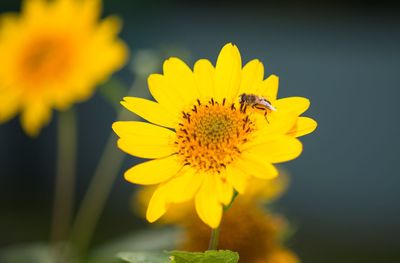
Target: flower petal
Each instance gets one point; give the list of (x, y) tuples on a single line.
[(157, 206), (207, 206), (34, 9), (184, 186), (295, 104), (35, 115), (164, 94), (9, 104), (115, 52), (303, 126), (204, 74), (180, 80), (144, 140), (238, 178), (275, 149), (269, 88), (154, 171), (255, 165), (252, 76), (227, 73), (150, 111), (224, 190), (279, 122)]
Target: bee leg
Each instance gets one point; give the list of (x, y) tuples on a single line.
[(264, 109), (265, 116)]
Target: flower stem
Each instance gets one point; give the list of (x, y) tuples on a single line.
[(65, 176), (235, 194), (215, 231), (96, 197), (213, 245), (100, 187), (110, 163)]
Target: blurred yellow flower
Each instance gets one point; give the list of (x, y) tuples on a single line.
[(247, 229), (281, 256), (211, 143), (54, 54)]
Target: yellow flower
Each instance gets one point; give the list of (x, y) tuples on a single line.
[(209, 144), (52, 55)]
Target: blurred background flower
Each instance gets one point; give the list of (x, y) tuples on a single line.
[(54, 53), (343, 55)]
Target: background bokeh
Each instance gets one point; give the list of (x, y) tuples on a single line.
[(344, 56)]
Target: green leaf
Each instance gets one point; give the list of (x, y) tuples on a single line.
[(143, 257), (211, 256)]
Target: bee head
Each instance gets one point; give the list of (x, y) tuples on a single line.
[(242, 98)]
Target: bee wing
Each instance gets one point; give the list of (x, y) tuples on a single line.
[(272, 107), (268, 104)]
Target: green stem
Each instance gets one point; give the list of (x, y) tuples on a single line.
[(65, 176), (235, 194), (96, 196), (213, 245)]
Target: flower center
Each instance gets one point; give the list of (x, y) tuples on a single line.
[(210, 136), (46, 59)]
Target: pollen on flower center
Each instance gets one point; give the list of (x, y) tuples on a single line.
[(210, 136), (45, 58)]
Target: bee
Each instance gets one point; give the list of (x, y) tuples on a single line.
[(256, 102)]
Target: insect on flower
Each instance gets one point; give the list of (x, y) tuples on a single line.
[(256, 102)]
